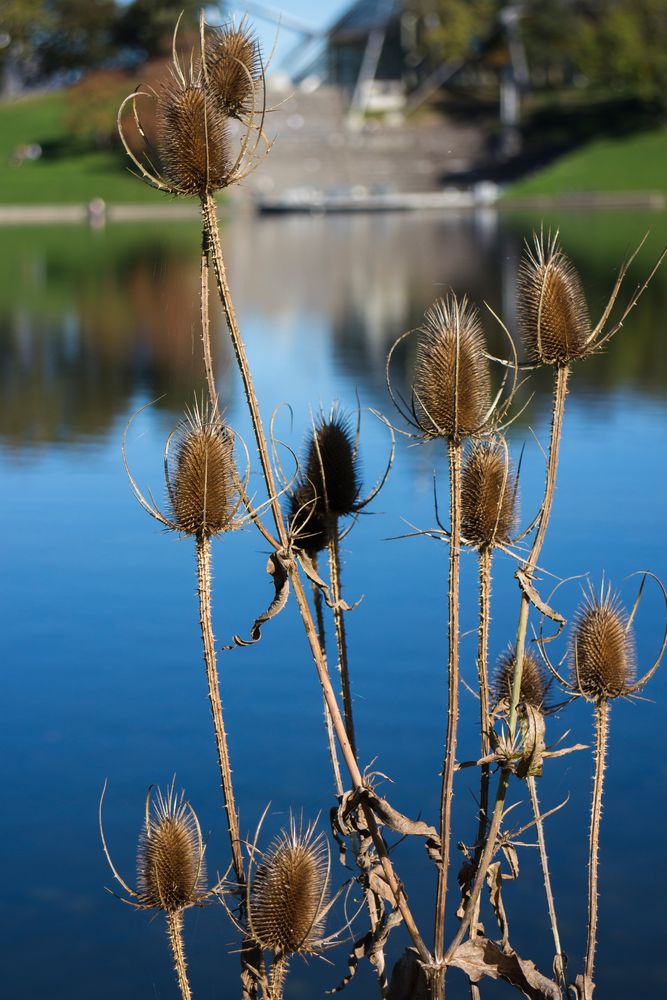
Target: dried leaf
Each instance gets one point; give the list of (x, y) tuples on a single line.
[(408, 979), (370, 946), (533, 728), (494, 878), (482, 958), (529, 590), (397, 821), (277, 569), (309, 568)]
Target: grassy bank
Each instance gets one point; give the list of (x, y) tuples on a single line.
[(629, 163), (63, 173)]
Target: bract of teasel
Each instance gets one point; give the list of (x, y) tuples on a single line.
[(601, 646), (189, 148)]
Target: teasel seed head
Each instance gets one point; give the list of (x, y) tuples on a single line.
[(192, 139), (233, 67), (202, 483), (488, 495), (307, 527), (451, 385), (551, 305), (534, 684), (602, 653), (331, 468), (171, 873), (288, 898)]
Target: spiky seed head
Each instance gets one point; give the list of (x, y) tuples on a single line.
[(171, 874), (233, 67), (192, 139), (202, 484), (602, 653), (451, 385), (533, 680), (289, 893), (488, 495), (551, 305), (331, 468), (307, 527)]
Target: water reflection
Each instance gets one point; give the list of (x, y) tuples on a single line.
[(89, 320)]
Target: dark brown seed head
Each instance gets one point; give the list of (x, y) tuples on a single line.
[(233, 67), (602, 655), (551, 305), (451, 384), (288, 895), (307, 527), (488, 495), (192, 139), (331, 468), (533, 681), (171, 874), (202, 485)]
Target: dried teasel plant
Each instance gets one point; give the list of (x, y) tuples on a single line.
[(288, 899), (204, 494), (171, 870), (602, 663), (451, 400), (534, 685)]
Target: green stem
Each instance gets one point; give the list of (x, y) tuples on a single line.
[(560, 962), (331, 739)]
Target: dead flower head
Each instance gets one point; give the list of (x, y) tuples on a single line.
[(192, 149), (489, 493), (288, 893), (171, 871), (551, 304), (233, 66), (601, 648), (204, 490), (534, 684)]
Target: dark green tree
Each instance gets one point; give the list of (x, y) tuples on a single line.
[(147, 26)]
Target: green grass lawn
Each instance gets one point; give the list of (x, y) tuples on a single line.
[(635, 162), (63, 174)]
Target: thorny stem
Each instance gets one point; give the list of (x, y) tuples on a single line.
[(341, 641), (601, 732), (210, 221), (485, 560), (205, 324), (203, 546), (278, 975), (175, 934), (560, 393), (331, 739), (559, 964), (452, 695)]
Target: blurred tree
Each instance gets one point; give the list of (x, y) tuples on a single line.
[(19, 20), (79, 34), (147, 26), (454, 29)]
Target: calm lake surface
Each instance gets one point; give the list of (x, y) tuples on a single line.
[(102, 671)]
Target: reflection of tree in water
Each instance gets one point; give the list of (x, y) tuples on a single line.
[(74, 357)]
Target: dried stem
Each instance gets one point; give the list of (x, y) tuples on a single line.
[(331, 739), (449, 765), (560, 392), (210, 221), (203, 547), (279, 969), (175, 934), (485, 560), (601, 732), (206, 325), (560, 960), (341, 641)]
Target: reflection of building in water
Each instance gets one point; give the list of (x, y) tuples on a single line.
[(81, 336)]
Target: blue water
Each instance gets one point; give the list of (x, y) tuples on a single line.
[(103, 676)]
